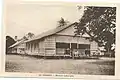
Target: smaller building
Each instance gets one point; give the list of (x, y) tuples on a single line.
[(18, 47)]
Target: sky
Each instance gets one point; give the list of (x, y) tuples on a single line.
[(22, 17)]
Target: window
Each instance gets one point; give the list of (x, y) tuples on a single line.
[(84, 46), (63, 48), (62, 45), (74, 45)]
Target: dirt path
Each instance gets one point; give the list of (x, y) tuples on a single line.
[(18, 63)]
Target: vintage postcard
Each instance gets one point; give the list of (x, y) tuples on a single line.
[(60, 39)]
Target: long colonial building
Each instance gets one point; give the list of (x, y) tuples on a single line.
[(61, 41)]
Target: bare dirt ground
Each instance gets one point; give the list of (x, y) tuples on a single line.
[(18, 63)]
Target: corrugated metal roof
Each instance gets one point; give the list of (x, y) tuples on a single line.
[(17, 43), (51, 32)]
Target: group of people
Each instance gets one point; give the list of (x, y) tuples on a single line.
[(76, 52)]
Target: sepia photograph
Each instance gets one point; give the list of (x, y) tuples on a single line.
[(60, 38)]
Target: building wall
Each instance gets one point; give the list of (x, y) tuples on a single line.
[(32, 47), (14, 50), (50, 45), (47, 47), (41, 49), (22, 45), (71, 39), (20, 49), (35, 47), (28, 48), (93, 47)]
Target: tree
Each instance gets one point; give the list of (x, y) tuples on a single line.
[(9, 41), (100, 24), (25, 38), (62, 22), (29, 35)]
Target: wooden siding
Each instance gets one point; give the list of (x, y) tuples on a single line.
[(28, 51), (36, 47), (20, 48), (47, 47), (41, 49), (50, 45), (28, 48), (22, 45), (70, 39), (32, 48), (94, 45)]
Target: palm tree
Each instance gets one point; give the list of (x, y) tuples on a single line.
[(62, 22), (30, 35)]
